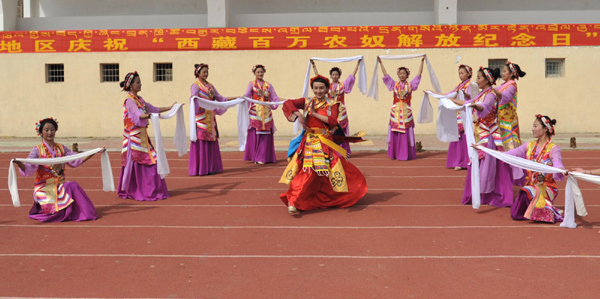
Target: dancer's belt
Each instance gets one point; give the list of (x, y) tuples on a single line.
[(321, 133)]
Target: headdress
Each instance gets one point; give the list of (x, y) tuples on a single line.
[(41, 121)]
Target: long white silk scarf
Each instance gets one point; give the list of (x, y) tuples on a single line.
[(244, 119), (162, 164), (573, 196), (243, 115), (362, 72), (426, 112), (208, 105), (362, 79), (108, 182)]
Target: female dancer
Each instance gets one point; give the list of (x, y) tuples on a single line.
[(495, 176), (205, 155), (56, 200), (401, 135), (458, 154), (139, 178), (535, 200), (319, 174), (260, 147), (508, 121), (337, 92)]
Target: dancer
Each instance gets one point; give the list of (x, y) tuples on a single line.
[(458, 153), (535, 200), (508, 120), (319, 174), (139, 178), (56, 199), (401, 135), (260, 145), (495, 176), (205, 155), (337, 92)]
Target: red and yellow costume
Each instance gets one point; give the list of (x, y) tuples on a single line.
[(319, 174)]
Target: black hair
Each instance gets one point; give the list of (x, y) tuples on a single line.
[(122, 84), (405, 69), (494, 72), (259, 66), (196, 66), (519, 71), (322, 80), (552, 122), (44, 122), (464, 67), (335, 69)]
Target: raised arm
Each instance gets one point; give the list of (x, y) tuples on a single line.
[(314, 67), (421, 67), (382, 67), (356, 68)]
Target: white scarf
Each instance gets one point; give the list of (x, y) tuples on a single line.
[(573, 196), (362, 79), (107, 175), (161, 160), (447, 117), (243, 114), (426, 112), (244, 119), (362, 72)]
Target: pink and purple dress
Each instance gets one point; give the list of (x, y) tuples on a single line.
[(337, 92), (205, 155), (495, 176), (260, 145), (139, 178), (458, 151), (57, 200), (535, 201), (401, 135)]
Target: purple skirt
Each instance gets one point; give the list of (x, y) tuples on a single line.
[(458, 153), (260, 147), (518, 209), (495, 182), (205, 158), (401, 146), (145, 183), (81, 209)]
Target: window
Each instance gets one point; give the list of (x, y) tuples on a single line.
[(163, 72), (555, 67), (497, 63), (55, 73), (109, 72)]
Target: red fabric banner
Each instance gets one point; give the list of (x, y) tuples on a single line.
[(288, 38)]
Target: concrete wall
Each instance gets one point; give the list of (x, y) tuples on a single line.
[(86, 107)]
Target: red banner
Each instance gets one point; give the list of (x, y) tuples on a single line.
[(287, 38)]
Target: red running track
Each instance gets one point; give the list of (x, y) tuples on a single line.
[(229, 236)]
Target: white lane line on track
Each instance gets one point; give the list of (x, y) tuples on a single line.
[(121, 205), (283, 189), (284, 227), (271, 176), (361, 257)]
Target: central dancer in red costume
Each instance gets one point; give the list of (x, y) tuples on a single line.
[(319, 174)]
